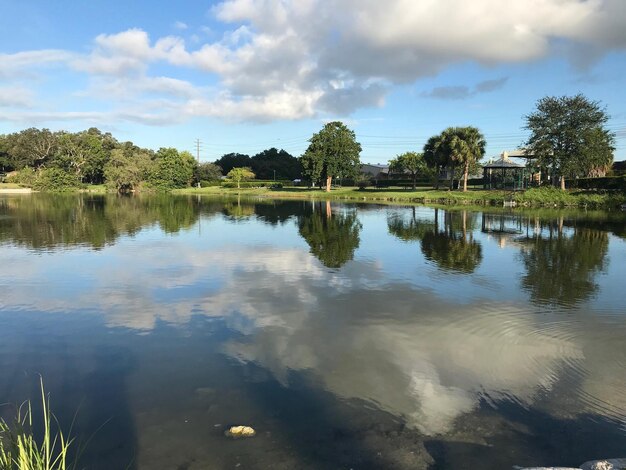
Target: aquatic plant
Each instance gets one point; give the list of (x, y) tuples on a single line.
[(21, 450)]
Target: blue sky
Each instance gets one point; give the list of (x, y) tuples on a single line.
[(246, 75)]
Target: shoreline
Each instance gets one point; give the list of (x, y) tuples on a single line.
[(16, 191), (530, 198)]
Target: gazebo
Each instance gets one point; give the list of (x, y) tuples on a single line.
[(504, 174)]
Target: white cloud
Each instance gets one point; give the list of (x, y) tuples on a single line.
[(180, 25), (461, 92), (16, 97), (282, 59)]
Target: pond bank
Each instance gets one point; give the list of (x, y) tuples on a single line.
[(15, 190), (543, 197)]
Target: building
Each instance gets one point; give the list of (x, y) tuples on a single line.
[(504, 173), (619, 168), (377, 171)]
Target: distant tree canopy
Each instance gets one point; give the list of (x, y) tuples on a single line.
[(266, 165), (171, 169), (127, 169), (272, 163), (568, 136), (332, 152), (233, 160), (57, 161), (412, 162), (207, 172)]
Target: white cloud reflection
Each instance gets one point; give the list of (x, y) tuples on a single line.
[(410, 352)]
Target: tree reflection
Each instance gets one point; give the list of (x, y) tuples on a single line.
[(451, 247), (333, 237), (49, 221), (237, 210), (560, 268)]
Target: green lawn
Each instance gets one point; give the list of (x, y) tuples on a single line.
[(533, 197)]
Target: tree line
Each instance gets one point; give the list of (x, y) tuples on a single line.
[(567, 139), (47, 160)]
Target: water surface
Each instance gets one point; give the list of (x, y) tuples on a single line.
[(348, 336)]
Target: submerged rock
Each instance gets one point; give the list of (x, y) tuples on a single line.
[(240, 431), (608, 464), (546, 468)]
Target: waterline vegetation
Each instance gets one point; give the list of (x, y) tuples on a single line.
[(534, 197), (19, 448)]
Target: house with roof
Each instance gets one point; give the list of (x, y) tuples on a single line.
[(377, 171)]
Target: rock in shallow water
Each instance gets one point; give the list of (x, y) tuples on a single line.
[(608, 464), (240, 431)]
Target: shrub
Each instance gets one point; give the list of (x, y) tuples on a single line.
[(55, 180), (608, 183), (210, 184), (26, 177)]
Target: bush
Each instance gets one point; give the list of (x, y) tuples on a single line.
[(55, 180), (608, 183), (276, 186), (26, 177), (249, 184), (210, 184)]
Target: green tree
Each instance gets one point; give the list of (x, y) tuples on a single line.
[(568, 136), (272, 163), (70, 155), (240, 174), (99, 146), (233, 160), (172, 169), (30, 147), (127, 169), (207, 172), (333, 151), (465, 147), (412, 162), (435, 157), (455, 147)]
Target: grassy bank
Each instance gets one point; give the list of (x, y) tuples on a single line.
[(543, 197)]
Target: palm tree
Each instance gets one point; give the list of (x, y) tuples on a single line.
[(464, 146), (435, 156)]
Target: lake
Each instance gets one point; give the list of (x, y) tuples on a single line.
[(349, 336)]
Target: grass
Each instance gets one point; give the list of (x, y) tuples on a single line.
[(537, 197), (20, 450), (95, 189), (10, 186)]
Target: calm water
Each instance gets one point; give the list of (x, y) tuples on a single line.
[(348, 336)]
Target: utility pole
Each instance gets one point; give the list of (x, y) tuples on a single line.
[(198, 143)]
